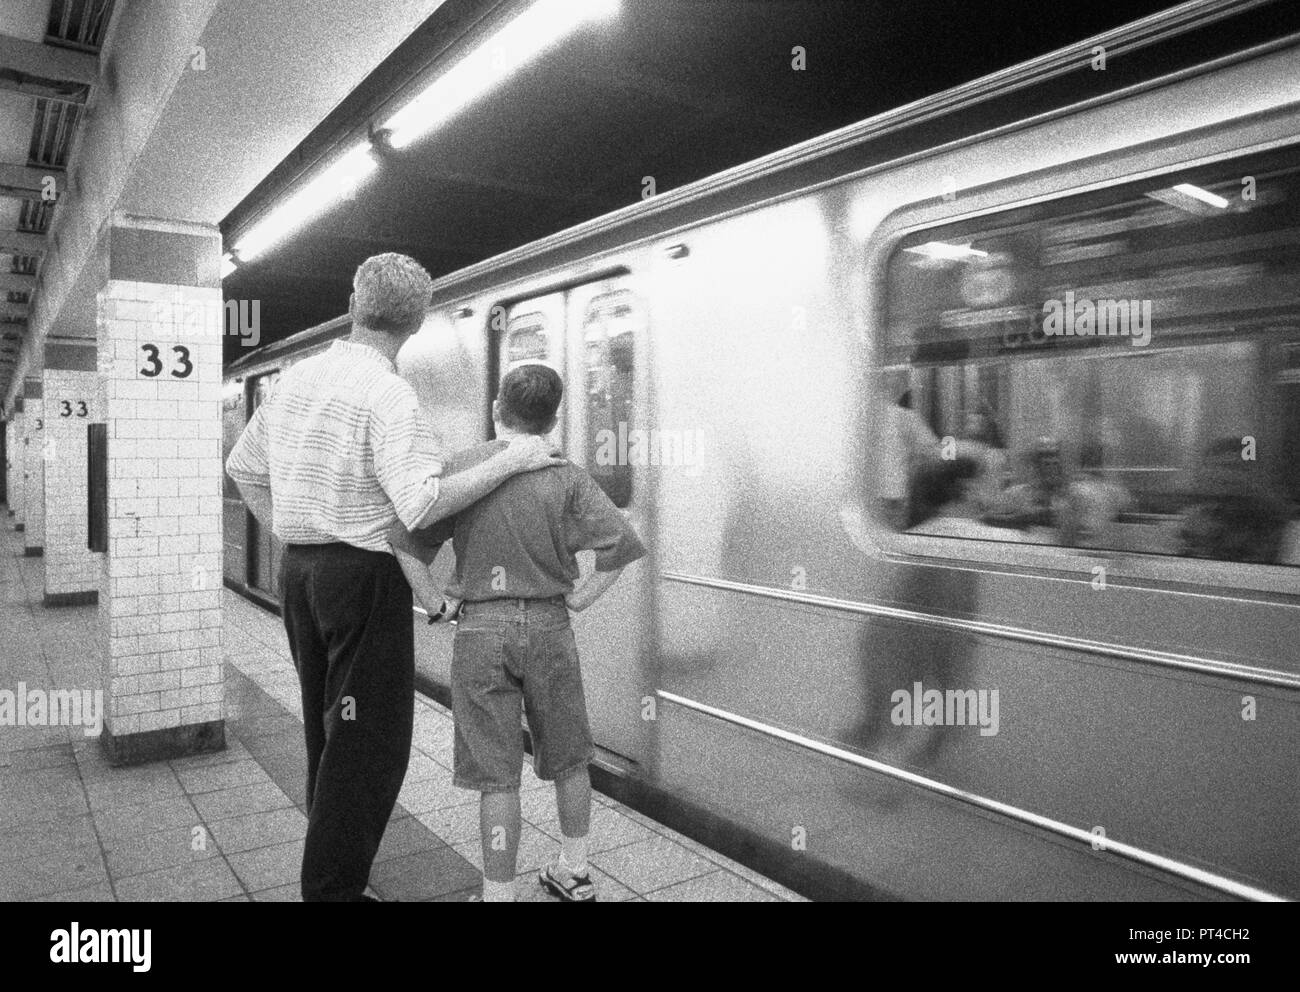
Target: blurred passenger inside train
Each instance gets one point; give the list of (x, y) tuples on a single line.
[(517, 578), (1234, 513), (1095, 502), (907, 442), (946, 502), (981, 440), (1042, 504)]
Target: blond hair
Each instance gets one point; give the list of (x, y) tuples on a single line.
[(390, 292)]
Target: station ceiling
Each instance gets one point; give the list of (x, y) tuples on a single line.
[(48, 65), (105, 110), (671, 89)]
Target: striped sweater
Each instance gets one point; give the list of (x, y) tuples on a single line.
[(344, 448)]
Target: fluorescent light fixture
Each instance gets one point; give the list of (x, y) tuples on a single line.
[(1191, 199), (335, 183), (943, 250), (543, 24), (227, 265), (1204, 195)]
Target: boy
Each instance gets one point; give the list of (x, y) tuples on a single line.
[(515, 575)]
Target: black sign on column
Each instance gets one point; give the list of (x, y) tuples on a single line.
[(97, 487)]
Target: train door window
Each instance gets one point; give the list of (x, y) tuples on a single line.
[(1116, 370), (609, 331), (526, 340), (535, 333), (264, 560), (233, 421)]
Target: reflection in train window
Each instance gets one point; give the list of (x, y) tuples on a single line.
[(1117, 370), (609, 349), (526, 340)]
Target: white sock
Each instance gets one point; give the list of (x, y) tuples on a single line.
[(498, 891), (573, 854)]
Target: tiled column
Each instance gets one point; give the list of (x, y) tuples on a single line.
[(33, 469), (71, 401), (160, 325)]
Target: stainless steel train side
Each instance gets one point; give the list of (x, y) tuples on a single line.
[(746, 668)]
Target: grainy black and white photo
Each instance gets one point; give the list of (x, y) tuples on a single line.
[(615, 451)]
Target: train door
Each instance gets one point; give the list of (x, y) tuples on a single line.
[(603, 371), (607, 378), (263, 549)]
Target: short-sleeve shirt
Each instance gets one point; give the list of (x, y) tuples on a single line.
[(345, 449), (520, 540)]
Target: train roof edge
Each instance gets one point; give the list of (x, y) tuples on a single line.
[(1135, 35)]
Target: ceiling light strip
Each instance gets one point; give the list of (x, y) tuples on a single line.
[(539, 27)]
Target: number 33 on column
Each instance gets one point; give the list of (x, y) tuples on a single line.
[(182, 367)]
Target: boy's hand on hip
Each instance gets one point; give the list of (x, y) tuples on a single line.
[(530, 453)]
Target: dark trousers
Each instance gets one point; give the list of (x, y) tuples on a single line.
[(348, 616)]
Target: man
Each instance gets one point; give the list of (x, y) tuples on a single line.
[(336, 456)]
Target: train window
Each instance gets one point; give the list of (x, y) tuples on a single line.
[(233, 421), (1117, 370), (526, 340), (264, 547), (609, 351)]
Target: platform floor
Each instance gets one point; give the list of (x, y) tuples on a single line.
[(230, 826)]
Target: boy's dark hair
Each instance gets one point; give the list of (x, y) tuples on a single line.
[(529, 397)]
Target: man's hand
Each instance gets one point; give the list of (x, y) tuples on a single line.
[(447, 613), (528, 453), (430, 607), (423, 590)]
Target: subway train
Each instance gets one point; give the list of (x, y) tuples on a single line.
[(966, 444)]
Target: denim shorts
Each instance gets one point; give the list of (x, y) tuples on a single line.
[(508, 653)]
